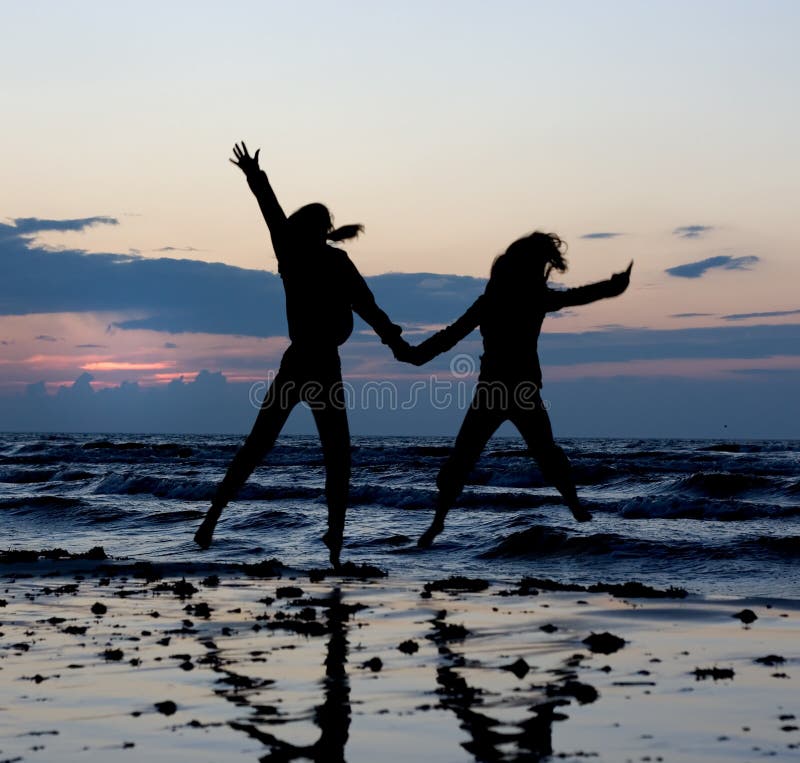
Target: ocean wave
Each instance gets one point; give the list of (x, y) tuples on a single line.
[(405, 497), (33, 476), (270, 520), (22, 504), (783, 545), (26, 476), (168, 517), (666, 507), (131, 483), (541, 540), (723, 484), (63, 508)]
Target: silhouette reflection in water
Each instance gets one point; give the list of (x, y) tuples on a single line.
[(332, 716)]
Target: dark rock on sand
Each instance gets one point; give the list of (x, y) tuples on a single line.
[(267, 568), (447, 632), (97, 553), (715, 673), (747, 616), (348, 570), (458, 583), (375, 664), (408, 647), (99, 609), (289, 592), (113, 655), (771, 660), (519, 668), (301, 627), (604, 643), (201, 609), (167, 707), (633, 589), (182, 588)]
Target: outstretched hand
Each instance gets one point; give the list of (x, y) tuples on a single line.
[(242, 159), (623, 279)]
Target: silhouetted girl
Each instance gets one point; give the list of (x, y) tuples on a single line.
[(323, 287), (510, 314)]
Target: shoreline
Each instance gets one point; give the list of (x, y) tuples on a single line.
[(144, 661)]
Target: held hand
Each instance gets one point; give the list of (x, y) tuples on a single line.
[(401, 350), (246, 163), (405, 353)]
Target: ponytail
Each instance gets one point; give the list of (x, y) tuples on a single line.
[(344, 232)]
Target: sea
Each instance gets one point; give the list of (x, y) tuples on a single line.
[(717, 518)]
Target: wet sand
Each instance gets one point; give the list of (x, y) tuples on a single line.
[(104, 660)]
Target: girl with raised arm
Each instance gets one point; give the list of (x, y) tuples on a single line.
[(510, 314), (323, 288)]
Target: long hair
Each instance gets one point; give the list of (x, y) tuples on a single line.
[(316, 221), (528, 261)]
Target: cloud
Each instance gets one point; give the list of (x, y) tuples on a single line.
[(177, 249), (90, 346), (601, 234), (27, 226), (46, 338), (691, 315), (181, 295), (770, 314), (629, 344), (617, 405), (723, 262), (692, 231), (170, 346)]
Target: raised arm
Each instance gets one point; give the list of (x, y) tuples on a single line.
[(447, 338), (259, 184), (583, 295)]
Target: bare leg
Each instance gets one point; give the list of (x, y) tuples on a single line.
[(334, 434), (480, 423), (534, 426), (281, 398)]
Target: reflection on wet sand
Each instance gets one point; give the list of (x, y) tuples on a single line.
[(332, 716), (532, 738)]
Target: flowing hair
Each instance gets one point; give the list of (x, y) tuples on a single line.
[(344, 232), (316, 219), (529, 259)]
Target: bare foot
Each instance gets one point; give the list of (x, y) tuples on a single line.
[(580, 514), (333, 540), (427, 538), (205, 533)]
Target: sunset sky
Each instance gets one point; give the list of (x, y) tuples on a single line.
[(665, 132)]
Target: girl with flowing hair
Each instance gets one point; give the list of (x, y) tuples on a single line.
[(510, 314)]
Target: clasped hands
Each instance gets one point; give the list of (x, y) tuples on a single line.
[(406, 353)]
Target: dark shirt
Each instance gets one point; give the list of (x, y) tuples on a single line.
[(322, 285), (510, 328)]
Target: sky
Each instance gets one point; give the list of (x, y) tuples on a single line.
[(132, 255)]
